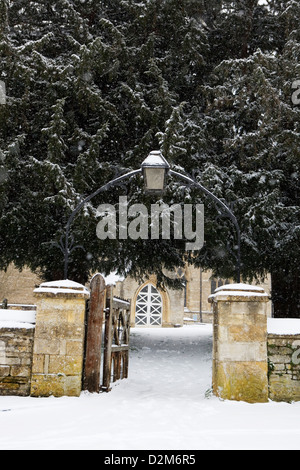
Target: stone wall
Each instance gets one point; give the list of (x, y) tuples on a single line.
[(254, 358), (16, 347), (41, 350), (284, 367)]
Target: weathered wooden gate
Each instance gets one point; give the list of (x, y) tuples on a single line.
[(116, 340), (107, 338)]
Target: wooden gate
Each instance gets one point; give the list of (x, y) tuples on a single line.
[(107, 338), (116, 340)]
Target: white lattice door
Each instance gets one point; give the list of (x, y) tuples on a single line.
[(148, 310)]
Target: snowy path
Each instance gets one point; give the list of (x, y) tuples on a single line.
[(162, 406)]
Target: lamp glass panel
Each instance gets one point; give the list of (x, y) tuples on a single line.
[(155, 178)]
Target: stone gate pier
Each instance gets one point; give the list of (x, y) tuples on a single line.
[(59, 339), (240, 360)]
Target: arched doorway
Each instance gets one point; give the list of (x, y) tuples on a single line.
[(149, 306)]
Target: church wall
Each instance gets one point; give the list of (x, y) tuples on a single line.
[(196, 299), (17, 287)]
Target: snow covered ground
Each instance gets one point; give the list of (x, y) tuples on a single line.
[(164, 405)]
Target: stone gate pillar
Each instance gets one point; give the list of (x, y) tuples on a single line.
[(240, 364), (59, 339)]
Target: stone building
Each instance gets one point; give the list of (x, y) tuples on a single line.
[(17, 287), (150, 307)]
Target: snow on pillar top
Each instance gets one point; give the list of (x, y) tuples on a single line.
[(54, 288), (239, 293)]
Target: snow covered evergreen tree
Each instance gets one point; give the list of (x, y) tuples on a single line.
[(93, 86), (253, 126)]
